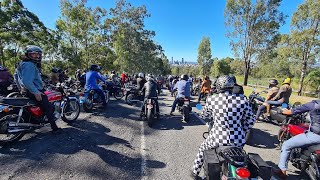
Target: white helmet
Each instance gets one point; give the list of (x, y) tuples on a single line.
[(141, 75)]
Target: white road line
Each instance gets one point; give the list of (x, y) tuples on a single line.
[(196, 115), (143, 153)]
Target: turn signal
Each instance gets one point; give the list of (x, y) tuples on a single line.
[(243, 173)]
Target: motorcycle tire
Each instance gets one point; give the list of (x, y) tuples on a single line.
[(186, 114), (3, 127), (14, 94), (282, 136), (88, 104), (150, 117), (118, 95), (129, 98), (75, 109)]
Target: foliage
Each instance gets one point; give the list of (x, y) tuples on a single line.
[(252, 27), (204, 55)]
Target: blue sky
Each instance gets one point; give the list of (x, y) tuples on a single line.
[(179, 24)]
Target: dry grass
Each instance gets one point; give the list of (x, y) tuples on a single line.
[(294, 98)]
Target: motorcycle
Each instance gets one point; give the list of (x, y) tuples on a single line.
[(90, 98), (307, 158), (228, 162), (195, 90), (114, 90), (184, 108), (255, 101), (133, 95), (20, 115), (150, 111)]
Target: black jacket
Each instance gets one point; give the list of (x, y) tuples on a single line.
[(140, 83), (150, 89)]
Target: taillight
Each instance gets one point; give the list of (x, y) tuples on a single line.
[(243, 173), (317, 153)]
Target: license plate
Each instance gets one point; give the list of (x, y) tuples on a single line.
[(149, 106)]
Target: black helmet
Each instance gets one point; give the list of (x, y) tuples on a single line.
[(95, 67), (224, 82), (234, 79), (31, 49), (184, 77), (55, 70), (273, 82)]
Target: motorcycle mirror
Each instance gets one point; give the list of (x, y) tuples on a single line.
[(199, 106)]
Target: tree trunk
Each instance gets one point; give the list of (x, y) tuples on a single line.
[(246, 73), (1, 56), (302, 76)]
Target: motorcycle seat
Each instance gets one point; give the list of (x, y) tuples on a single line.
[(310, 149), (18, 101)]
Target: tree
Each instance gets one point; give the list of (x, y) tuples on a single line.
[(221, 67), (204, 55), (304, 38), (252, 28)]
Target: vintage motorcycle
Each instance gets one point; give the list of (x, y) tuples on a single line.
[(90, 98), (132, 95), (306, 158), (150, 111), (20, 115), (184, 108)]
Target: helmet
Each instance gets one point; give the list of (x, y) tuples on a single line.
[(184, 77), (150, 77), (2, 68), (141, 75), (31, 49), (55, 70), (95, 67), (287, 81), (273, 82), (113, 72), (224, 82), (234, 79)]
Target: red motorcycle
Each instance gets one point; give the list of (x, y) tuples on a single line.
[(19, 115), (307, 158)]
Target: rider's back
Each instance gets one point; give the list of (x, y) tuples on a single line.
[(91, 80)]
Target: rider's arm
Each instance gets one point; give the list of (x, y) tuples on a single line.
[(28, 71), (98, 76), (281, 90), (301, 109), (248, 119)]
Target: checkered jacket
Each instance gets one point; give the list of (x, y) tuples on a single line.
[(232, 117)]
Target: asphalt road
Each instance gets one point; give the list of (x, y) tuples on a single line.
[(115, 144)]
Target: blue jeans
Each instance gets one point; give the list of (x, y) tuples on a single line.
[(102, 96), (296, 141), (277, 103)]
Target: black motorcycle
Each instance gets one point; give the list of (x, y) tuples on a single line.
[(90, 98), (184, 108), (150, 112), (114, 90), (133, 95)]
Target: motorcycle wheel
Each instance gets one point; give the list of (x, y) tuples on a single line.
[(149, 117), (281, 137), (186, 114), (88, 104), (118, 94), (6, 137), (14, 94), (74, 112), (129, 98)]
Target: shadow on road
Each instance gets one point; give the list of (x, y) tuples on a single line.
[(262, 139), (291, 176), (81, 136)]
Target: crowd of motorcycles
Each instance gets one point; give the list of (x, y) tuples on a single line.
[(20, 115)]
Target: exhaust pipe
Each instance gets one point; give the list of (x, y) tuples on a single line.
[(11, 124), (17, 130)]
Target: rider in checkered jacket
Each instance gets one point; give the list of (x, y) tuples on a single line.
[(232, 118)]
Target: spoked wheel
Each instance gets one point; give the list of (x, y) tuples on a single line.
[(88, 104), (150, 117), (118, 94), (72, 112), (10, 135)]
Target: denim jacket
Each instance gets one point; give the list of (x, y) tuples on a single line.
[(28, 77)]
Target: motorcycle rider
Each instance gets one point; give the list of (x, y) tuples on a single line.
[(312, 136), (183, 88), (282, 96), (78, 75), (114, 77), (150, 91), (91, 82), (272, 92), (237, 89), (54, 76), (205, 88), (29, 80), (140, 81), (5, 78), (232, 117)]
